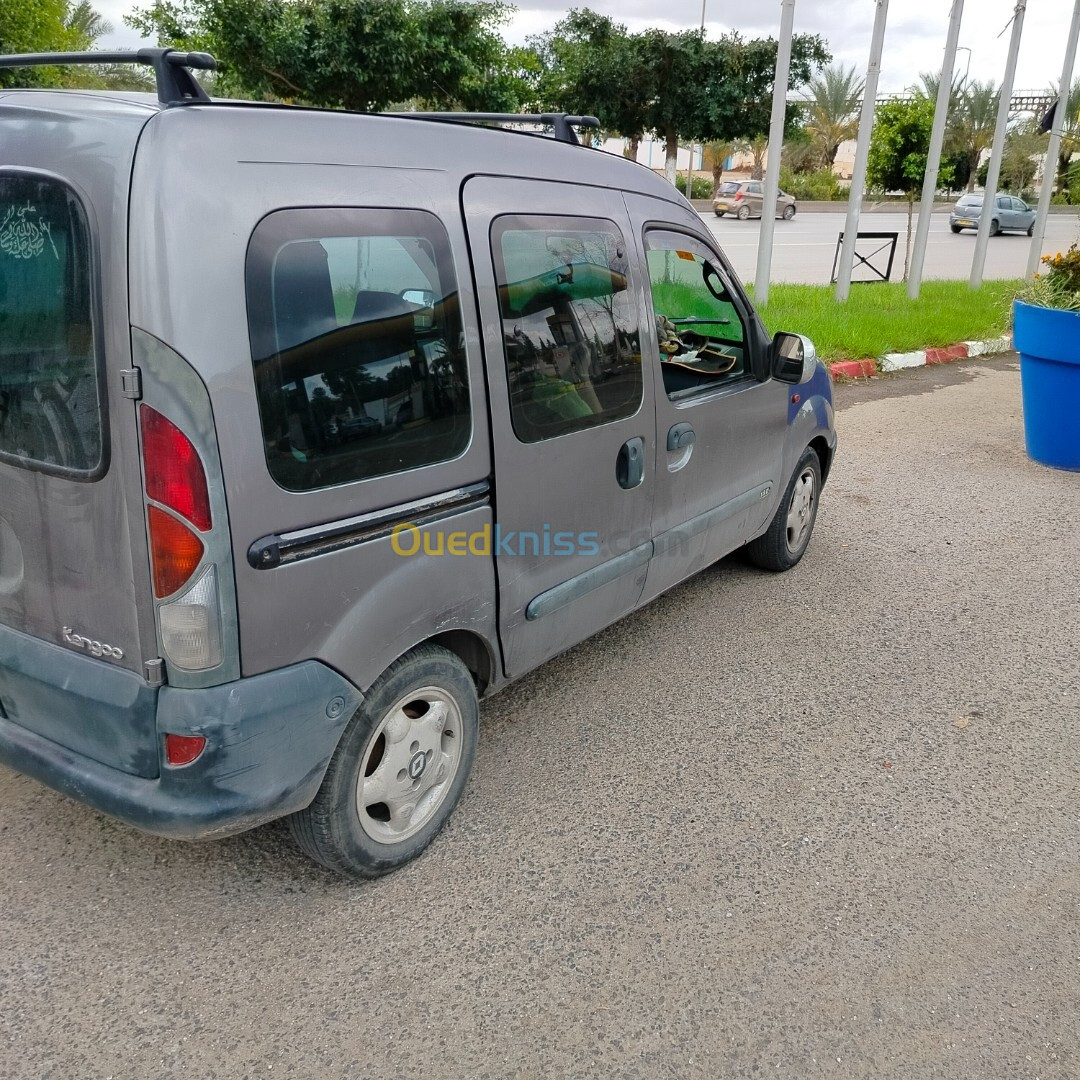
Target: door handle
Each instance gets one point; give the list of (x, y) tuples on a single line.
[(630, 464), (680, 436)]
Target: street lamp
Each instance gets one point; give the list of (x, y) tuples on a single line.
[(964, 48)]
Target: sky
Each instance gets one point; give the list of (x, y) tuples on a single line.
[(914, 35)]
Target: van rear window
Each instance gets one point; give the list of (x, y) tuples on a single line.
[(50, 407), (357, 343)]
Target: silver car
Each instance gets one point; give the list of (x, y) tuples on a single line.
[(1010, 214)]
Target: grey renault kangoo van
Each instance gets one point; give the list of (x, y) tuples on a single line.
[(316, 428)]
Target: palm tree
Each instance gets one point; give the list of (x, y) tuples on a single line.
[(716, 153), (757, 147), (973, 124), (929, 82), (835, 96), (1070, 131), (86, 24), (86, 27)]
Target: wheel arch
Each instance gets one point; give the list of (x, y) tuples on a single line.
[(473, 651), (821, 447)]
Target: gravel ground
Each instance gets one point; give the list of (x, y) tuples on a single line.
[(823, 824)]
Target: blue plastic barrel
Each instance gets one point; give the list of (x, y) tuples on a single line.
[(1048, 341)]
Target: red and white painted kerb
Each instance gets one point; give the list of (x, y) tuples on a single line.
[(863, 369)]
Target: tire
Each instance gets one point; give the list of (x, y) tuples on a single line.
[(956, 228), (789, 212), (744, 213), (782, 545), (421, 714), (995, 227), (1031, 229)]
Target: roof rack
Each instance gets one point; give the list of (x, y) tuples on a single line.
[(562, 123), (175, 84)]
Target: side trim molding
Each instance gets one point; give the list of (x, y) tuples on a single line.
[(560, 595), (673, 538), (576, 587), (283, 548)]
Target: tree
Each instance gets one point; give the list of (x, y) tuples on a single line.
[(1024, 146), (835, 97), (1069, 127), (716, 153), (899, 147), (34, 26), (758, 147), (589, 65), (353, 54), (681, 87), (973, 129), (86, 24)]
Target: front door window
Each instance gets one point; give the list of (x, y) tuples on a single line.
[(701, 334)]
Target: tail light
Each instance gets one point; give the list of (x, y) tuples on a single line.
[(189, 624), (175, 552), (738, 196), (174, 473)]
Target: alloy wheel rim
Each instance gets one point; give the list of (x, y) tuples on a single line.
[(409, 765), (800, 514)]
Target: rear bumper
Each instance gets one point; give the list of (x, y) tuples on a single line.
[(269, 740)]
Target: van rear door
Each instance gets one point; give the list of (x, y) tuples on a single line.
[(73, 560)]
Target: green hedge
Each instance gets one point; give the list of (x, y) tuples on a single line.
[(701, 188)]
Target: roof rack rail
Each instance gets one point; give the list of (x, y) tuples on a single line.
[(175, 84), (562, 123)]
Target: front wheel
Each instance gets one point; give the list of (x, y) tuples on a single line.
[(782, 545), (744, 213), (1031, 229), (399, 769)]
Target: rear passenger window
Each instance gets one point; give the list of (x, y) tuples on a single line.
[(50, 405), (570, 334), (357, 343)]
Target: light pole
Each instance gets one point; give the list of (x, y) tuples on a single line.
[(964, 48)]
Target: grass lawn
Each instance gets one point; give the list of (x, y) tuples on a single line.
[(880, 318)]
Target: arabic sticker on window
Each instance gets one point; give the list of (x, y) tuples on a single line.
[(23, 234), (685, 255)]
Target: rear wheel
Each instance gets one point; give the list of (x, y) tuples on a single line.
[(789, 212), (782, 545), (399, 769), (719, 213), (995, 227), (744, 213), (955, 228)]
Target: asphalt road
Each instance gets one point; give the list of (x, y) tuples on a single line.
[(804, 248), (822, 824)]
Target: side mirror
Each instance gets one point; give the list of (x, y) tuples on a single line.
[(424, 317), (792, 358)]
